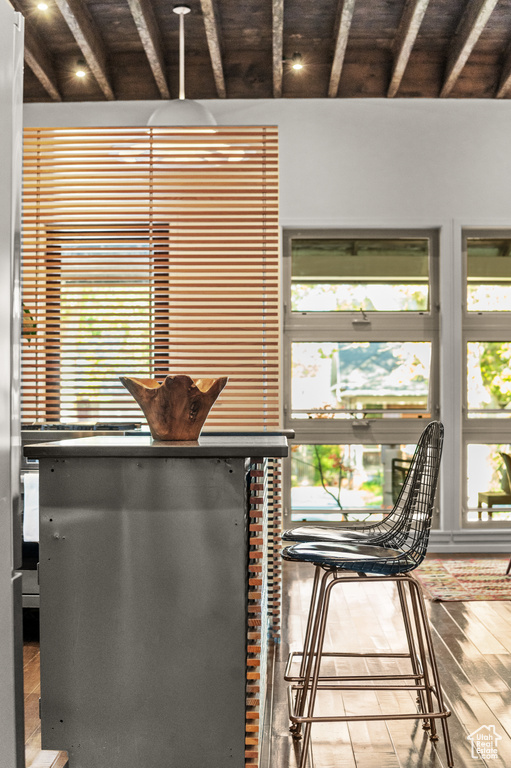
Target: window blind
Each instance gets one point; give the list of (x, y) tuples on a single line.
[(150, 251)]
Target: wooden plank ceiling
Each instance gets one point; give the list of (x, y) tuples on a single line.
[(240, 49)]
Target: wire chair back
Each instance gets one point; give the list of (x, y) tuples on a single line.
[(410, 532), (391, 531)]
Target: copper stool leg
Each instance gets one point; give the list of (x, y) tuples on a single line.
[(295, 728), (313, 651), (434, 668), (416, 666), (424, 661), (320, 637)]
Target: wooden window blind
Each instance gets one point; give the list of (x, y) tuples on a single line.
[(150, 251)]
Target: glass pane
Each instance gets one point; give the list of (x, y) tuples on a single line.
[(92, 346), (489, 379), (104, 324), (488, 482), (369, 378), (339, 482), (385, 275), (488, 274)]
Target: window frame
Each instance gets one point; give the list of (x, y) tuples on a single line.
[(480, 326)]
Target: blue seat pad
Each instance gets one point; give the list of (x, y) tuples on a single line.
[(322, 533), (341, 555)]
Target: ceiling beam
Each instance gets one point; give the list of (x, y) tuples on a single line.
[(407, 32), (210, 14), (87, 36), (345, 13), (39, 61), (147, 27), (278, 46), (466, 36), (505, 76)]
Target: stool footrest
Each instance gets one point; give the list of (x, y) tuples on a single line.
[(360, 718), (331, 678)]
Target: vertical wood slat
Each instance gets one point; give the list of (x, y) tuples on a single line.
[(258, 606), (149, 251), (275, 546)]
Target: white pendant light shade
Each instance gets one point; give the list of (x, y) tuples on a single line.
[(181, 111)]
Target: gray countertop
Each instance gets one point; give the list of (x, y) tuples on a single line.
[(217, 446)]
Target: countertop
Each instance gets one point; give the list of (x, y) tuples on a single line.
[(217, 446)]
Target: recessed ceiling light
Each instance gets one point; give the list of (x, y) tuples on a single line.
[(80, 70), (42, 6), (296, 61)]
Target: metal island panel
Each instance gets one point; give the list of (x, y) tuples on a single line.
[(144, 571)]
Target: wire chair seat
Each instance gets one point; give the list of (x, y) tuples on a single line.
[(384, 532), (362, 558)]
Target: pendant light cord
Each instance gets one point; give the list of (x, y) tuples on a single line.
[(181, 56)]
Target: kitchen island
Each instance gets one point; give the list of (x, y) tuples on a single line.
[(154, 592)]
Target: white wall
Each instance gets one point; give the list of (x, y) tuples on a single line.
[(376, 163), (360, 159)]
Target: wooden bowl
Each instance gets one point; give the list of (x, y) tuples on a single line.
[(177, 408)]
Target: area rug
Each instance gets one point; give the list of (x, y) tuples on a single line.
[(449, 580)]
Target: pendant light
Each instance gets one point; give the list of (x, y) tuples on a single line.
[(181, 111)]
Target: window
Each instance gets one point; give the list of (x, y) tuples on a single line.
[(488, 261), (341, 482), (361, 365), (373, 379), (352, 274), (487, 389)]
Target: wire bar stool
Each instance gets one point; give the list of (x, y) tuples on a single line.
[(399, 550), (391, 531)]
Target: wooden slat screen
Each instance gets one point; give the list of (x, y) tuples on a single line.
[(149, 251)]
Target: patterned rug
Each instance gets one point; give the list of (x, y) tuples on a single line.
[(447, 580)]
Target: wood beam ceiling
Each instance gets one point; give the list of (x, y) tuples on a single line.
[(345, 14), (469, 30), (278, 46), (145, 21), (469, 36), (409, 26), (88, 38), (210, 14)]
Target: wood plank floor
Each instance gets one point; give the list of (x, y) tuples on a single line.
[(473, 646), (35, 757)]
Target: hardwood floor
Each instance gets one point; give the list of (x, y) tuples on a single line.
[(35, 757), (473, 646)]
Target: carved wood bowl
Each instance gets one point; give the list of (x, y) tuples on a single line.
[(177, 408)]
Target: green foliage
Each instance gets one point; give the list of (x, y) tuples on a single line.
[(28, 326), (375, 488), (495, 366)]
